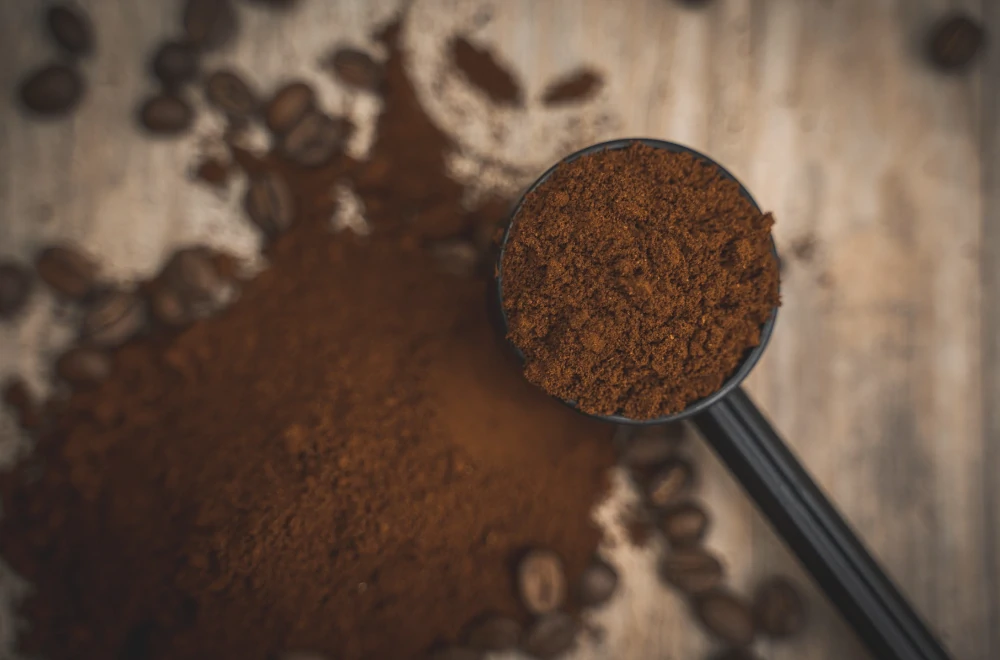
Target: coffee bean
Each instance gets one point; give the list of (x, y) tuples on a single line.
[(551, 635), (166, 114), (71, 28), (726, 616), (669, 483), (113, 319), (270, 204), (288, 106), (955, 40), (192, 273), (167, 307), (493, 633), (735, 654), (455, 653), (209, 23), (315, 139), (684, 524), (541, 581), (779, 609), (67, 270), (692, 570), (55, 89), (652, 446), (357, 69), (175, 63), (597, 584), (83, 366), (228, 92), (15, 286)]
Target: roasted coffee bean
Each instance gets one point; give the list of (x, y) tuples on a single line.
[(357, 69), (175, 63), (15, 286), (113, 319), (166, 114), (652, 446), (55, 89), (493, 633), (315, 139), (67, 270), (955, 40), (192, 273), (597, 584), (209, 23), (455, 653), (83, 366), (167, 307), (684, 524), (288, 106), (541, 581), (71, 28), (669, 483), (551, 635), (228, 92), (779, 609), (726, 616), (692, 570), (270, 204)]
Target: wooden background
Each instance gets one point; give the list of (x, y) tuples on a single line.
[(883, 174)]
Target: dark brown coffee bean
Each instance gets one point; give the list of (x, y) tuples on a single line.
[(67, 270), (83, 366), (113, 319), (597, 584), (455, 653), (167, 307), (270, 204), (551, 635), (192, 273), (288, 106), (55, 89), (692, 570), (71, 28), (779, 609), (726, 616), (357, 69), (315, 139), (735, 654), (652, 446), (228, 92), (209, 23), (175, 63), (955, 41), (166, 114), (541, 582), (669, 483), (684, 524), (15, 286), (493, 633)]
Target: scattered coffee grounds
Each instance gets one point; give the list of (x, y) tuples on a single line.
[(635, 279), (483, 72), (955, 41), (574, 88), (344, 461)]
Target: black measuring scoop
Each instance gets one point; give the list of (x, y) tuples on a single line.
[(782, 489)]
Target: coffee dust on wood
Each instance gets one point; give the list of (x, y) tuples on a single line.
[(343, 461), (634, 281)]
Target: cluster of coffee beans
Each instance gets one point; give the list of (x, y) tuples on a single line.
[(57, 87), (666, 479)]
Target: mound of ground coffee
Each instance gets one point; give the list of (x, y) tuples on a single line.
[(634, 280), (344, 461)]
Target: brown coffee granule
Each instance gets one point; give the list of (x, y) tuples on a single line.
[(635, 279)]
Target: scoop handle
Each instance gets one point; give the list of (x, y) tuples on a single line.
[(809, 524)]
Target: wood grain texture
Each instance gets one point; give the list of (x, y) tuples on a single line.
[(883, 174)]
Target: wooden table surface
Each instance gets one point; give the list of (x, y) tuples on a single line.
[(884, 177)]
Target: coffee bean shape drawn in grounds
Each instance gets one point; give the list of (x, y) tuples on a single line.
[(343, 461), (635, 280)]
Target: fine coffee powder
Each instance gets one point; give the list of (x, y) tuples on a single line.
[(344, 461), (634, 281)]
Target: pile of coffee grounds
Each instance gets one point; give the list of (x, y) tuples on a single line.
[(344, 461), (634, 281)]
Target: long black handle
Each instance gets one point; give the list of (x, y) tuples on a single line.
[(813, 529)]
